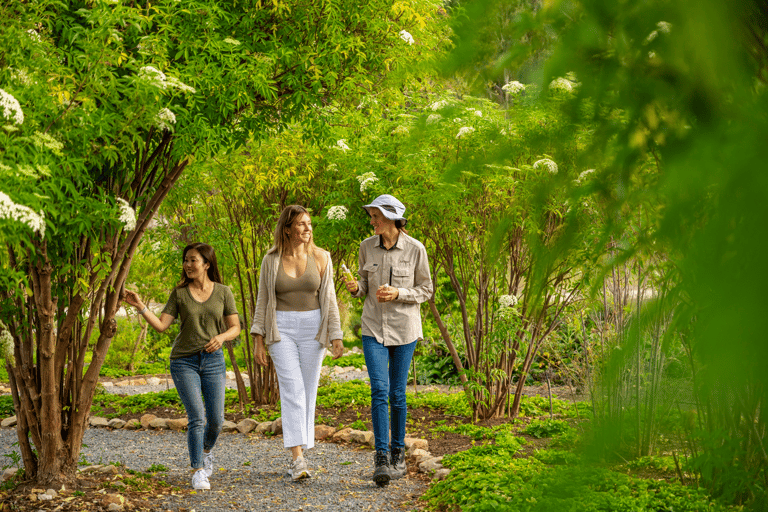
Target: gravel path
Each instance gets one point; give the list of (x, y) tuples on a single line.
[(250, 472)]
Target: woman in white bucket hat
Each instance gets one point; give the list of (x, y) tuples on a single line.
[(395, 280)]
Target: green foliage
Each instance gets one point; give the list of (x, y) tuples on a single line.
[(547, 428), (135, 403), (435, 369), (6, 406), (660, 463), (356, 360), (344, 395), (487, 478), (476, 432), (156, 468), (449, 403)]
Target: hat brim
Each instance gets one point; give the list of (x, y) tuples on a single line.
[(389, 215)]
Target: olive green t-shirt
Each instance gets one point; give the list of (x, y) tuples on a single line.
[(200, 321)]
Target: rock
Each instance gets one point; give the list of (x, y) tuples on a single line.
[(123, 383), (420, 455), (44, 497), (364, 368), (8, 422), (263, 427), (431, 465), (52, 493), (97, 421), (8, 474), (117, 423), (108, 384), (153, 381), (146, 419), (108, 469), (91, 469), (178, 424), (323, 431), (132, 425), (246, 425), (277, 426), (342, 435), (338, 370), (138, 382), (159, 423), (231, 375), (412, 443), (361, 437), (441, 473), (228, 426), (114, 507), (113, 499)]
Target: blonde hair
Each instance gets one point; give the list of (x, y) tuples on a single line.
[(286, 220)]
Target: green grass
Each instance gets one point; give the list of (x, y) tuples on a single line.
[(356, 360)]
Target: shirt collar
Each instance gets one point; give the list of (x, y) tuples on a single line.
[(381, 243)]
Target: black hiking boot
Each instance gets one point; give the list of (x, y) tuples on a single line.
[(381, 473), (397, 464)]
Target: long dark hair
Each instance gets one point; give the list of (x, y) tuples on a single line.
[(286, 220), (209, 256)]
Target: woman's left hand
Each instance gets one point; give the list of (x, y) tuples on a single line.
[(215, 344), (337, 348)]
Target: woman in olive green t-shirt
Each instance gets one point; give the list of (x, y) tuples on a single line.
[(208, 316)]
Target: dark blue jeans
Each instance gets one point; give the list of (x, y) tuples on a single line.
[(201, 377), (388, 370)]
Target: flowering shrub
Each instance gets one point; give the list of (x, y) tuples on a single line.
[(366, 180), (561, 84), (337, 213), (513, 88), (464, 131), (127, 214), (20, 213), (11, 108), (405, 36), (165, 119), (547, 164)]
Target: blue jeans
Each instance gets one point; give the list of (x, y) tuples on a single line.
[(201, 377), (388, 370)]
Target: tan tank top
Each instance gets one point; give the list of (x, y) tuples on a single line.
[(298, 293)]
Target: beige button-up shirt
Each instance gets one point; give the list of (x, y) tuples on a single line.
[(397, 322)]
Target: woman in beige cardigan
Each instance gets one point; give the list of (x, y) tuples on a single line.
[(296, 319)]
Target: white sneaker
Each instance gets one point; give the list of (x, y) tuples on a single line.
[(200, 480), (298, 469), (208, 463)]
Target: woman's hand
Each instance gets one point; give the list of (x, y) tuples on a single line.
[(387, 293), (261, 351), (132, 298), (337, 348), (351, 286), (215, 344)]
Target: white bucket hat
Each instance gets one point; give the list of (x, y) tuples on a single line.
[(390, 207)]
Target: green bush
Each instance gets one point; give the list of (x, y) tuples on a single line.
[(547, 428), (356, 360)]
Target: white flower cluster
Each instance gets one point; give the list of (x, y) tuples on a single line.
[(20, 76), (157, 78), (366, 180), (337, 213), (464, 131), (433, 118), (233, 42), (546, 163), (127, 214), (508, 301), (405, 36), (663, 27), (342, 145), (23, 214), (400, 130), (584, 175), (6, 343), (11, 108), (477, 113), (44, 140), (438, 105), (561, 84), (33, 35), (513, 87), (164, 119)]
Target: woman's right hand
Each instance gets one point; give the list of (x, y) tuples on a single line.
[(351, 286), (132, 298), (261, 351)]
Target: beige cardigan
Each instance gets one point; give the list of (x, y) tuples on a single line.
[(264, 317)]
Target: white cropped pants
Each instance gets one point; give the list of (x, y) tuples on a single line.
[(298, 358)]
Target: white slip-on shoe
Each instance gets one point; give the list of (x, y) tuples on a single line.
[(208, 463)]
